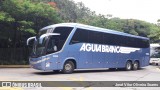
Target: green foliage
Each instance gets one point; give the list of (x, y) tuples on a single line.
[(19, 20), (77, 12), (22, 19), (5, 17)]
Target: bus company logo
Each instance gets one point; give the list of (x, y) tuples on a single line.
[(107, 48)]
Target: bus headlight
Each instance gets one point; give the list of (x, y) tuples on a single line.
[(48, 64)]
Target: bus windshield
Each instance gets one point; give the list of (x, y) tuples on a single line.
[(38, 49), (155, 52), (157, 55), (51, 43)]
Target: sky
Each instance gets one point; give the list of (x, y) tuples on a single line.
[(146, 10)]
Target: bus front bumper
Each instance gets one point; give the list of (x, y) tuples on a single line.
[(44, 63), (155, 61), (37, 63)]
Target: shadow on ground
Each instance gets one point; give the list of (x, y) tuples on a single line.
[(84, 71)]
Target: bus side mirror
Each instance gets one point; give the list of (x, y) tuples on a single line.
[(29, 39)]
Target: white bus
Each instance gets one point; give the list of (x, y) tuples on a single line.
[(155, 54)]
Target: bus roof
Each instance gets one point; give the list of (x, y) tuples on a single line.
[(93, 28)]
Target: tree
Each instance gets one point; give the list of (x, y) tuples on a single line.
[(69, 11), (23, 19), (158, 22), (19, 20)]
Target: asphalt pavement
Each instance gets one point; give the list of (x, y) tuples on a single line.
[(149, 73)]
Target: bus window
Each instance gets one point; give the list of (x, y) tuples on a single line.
[(80, 36), (64, 34), (96, 37), (52, 45)]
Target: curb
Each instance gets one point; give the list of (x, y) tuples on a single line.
[(14, 66)]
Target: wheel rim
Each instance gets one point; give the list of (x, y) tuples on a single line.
[(68, 67), (128, 66), (135, 65)]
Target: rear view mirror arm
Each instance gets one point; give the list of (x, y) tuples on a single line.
[(30, 39)]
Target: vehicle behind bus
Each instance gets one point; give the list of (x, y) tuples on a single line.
[(155, 54)]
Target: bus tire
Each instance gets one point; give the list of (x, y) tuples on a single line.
[(128, 66), (68, 67), (135, 65)]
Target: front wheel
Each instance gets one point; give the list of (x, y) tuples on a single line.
[(68, 67), (128, 66)]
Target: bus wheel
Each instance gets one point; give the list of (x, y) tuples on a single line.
[(135, 65), (68, 67), (128, 66)]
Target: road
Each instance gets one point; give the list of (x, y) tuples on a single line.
[(150, 73)]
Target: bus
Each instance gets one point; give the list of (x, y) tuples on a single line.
[(68, 46), (155, 54)]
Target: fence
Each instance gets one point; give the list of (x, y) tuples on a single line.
[(14, 56)]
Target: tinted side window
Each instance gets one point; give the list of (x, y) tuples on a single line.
[(113, 39), (80, 36), (110, 39), (87, 36), (95, 37), (64, 33), (141, 43)]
